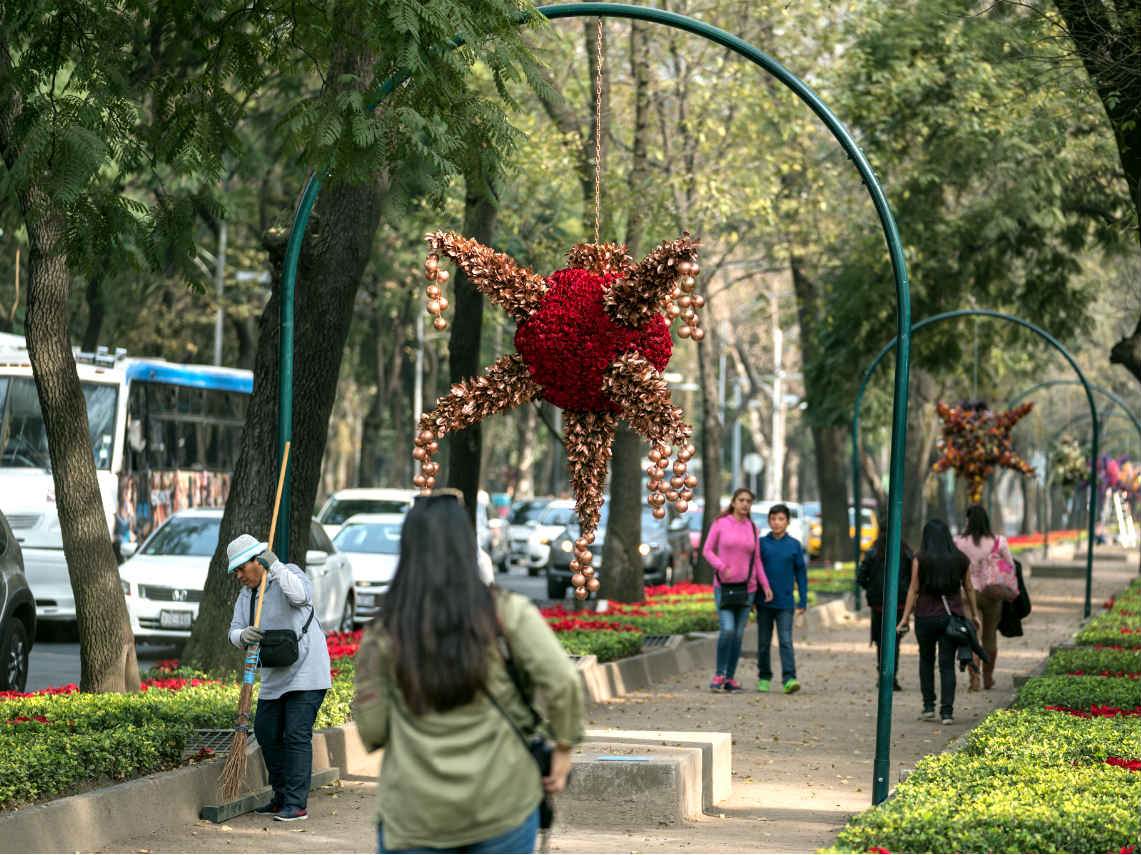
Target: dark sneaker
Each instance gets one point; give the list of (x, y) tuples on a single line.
[(927, 715), (947, 719), (271, 808), (717, 683), (732, 685), (289, 813)]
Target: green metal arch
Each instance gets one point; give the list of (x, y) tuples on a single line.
[(308, 199), (1113, 396), (888, 641)]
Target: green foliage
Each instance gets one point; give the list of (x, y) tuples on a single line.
[(1080, 693), (1014, 788), (1093, 661), (606, 644), (1111, 629)]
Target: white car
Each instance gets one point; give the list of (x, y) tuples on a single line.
[(796, 522), (362, 500), (372, 542), (164, 579), (524, 517), (555, 517)]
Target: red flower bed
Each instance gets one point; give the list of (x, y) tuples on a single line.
[(1097, 711), (571, 624), (175, 684), (1036, 537), (69, 689), (657, 592), (343, 644), (1131, 765)]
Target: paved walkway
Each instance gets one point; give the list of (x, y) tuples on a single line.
[(802, 764)]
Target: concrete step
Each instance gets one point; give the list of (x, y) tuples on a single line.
[(622, 786), (716, 755)]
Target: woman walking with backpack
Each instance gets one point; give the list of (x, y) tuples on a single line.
[(939, 584), (982, 547), (733, 549), (445, 680)]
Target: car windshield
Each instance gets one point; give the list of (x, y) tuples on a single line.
[(340, 510), (370, 538), (185, 536), (558, 516), (23, 436)]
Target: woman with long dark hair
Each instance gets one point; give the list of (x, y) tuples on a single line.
[(977, 542), (732, 547), (939, 584), (445, 680)]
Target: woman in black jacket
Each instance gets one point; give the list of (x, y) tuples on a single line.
[(870, 577), (940, 583)]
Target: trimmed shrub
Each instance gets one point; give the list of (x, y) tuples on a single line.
[(606, 644), (1116, 629), (1080, 692), (1093, 661)]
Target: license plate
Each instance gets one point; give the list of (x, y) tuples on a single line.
[(168, 619)]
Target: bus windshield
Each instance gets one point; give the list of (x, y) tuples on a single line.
[(23, 436)]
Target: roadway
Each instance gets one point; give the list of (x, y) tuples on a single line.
[(54, 659)]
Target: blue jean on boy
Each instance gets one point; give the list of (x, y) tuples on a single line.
[(733, 622), (766, 617)]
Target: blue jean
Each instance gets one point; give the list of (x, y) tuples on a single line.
[(519, 839), (733, 623), (766, 617), (284, 730)]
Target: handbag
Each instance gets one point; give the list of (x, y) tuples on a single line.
[(995, 576), (278, 648), (958, 627), (735, 595)]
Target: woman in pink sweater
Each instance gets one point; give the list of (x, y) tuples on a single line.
[(976, 542), (732, 548)]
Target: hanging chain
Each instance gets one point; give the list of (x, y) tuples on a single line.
[(598, 133)]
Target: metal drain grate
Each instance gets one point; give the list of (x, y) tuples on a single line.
[(655, 641), (217, 741)]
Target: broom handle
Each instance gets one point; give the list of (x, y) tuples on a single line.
[(273, 526)]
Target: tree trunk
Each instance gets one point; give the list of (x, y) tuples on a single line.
[(480, 213), (107, 647), (333, 257), (832, 467), (96, 311), (922, 434), (525, 445), (244, 333), (622, 573), (711, 439)]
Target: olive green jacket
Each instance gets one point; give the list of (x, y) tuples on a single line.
[(458, 777)]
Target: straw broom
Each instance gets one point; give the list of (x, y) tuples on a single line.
[(234, 774)]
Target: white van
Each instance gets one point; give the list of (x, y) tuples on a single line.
[(362, 500)]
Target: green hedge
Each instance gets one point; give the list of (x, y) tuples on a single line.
[(1094, 661), (1014, 788), (1080, 692), (1107, 629), (606, 644)]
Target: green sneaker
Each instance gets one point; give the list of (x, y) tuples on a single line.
[(764, 685), (791, 686)]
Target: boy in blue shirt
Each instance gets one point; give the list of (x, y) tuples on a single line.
[(782, 556)]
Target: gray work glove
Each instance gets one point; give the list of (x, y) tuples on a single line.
[(267, 559), (251, 635)]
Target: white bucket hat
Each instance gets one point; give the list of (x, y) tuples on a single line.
[(241, 549)]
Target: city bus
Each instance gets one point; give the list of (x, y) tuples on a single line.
[(165, 437)]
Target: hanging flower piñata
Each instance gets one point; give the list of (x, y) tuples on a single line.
[(976, 441)]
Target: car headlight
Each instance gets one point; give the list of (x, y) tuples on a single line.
[(126, 587), (566, 546), (644, 549)]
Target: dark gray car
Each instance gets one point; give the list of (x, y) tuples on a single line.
[(17, 613)]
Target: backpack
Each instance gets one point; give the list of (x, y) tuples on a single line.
[(994, 575)]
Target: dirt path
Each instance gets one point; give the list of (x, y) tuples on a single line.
[(802, 763)]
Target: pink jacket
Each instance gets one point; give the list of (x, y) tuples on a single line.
[(727, 548)]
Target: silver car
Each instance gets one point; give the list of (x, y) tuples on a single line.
[(17, 615)]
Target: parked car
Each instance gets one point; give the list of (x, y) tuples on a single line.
[(372, 542), (164, 579), (525, 515), (664, 551), (869, 529), (362, 500), (17, 613), (552, 521), (491, 532)]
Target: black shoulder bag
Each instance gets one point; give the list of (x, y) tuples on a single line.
[(537, 745), (735, 595), (278, 647)]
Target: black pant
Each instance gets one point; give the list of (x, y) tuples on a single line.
[(931, 632), (877, 628), (284, 729)]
